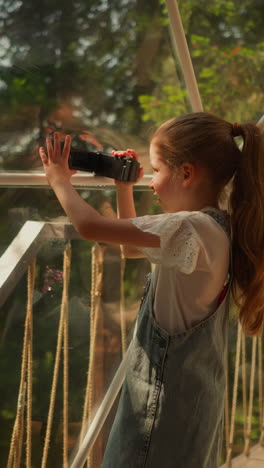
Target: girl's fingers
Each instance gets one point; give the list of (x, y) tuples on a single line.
[(54, 148), (67, 146), (43, 155), (129, 152), (120, 154), (57, 148), (49, 147), (132, 153)]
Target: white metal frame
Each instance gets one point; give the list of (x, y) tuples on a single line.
[(24, 247), (98, 421), (13, 265), (181, 49), (39, 179)]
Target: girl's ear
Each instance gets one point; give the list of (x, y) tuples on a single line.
[(188, 172)]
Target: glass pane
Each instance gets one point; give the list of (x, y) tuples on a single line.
[(96, 69), (107, 351), (17, 206)]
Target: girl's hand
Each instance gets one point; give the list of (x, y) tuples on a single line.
[(55, 160), (131, 154)]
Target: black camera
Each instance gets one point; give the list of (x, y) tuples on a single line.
[(103, 164)]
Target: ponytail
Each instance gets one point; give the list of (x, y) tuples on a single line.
[(208, 140), (247, 222)]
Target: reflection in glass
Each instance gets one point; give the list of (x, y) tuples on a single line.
[(91, 69), (115, 288)]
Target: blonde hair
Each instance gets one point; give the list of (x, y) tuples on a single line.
[(208, 140)]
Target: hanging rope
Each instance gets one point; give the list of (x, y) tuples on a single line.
[(122, 304), (227, 428), (31, 281), (63, 325), (251, 394), (25, 386), (96, 293), (261, 402), (20, 436), (260, 380), (244, 384), (65, 301), (247, 406), (234, 399)]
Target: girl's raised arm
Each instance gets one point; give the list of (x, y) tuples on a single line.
[(125, 203), (87, 221)]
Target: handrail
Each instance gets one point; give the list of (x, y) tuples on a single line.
[(21, 251), (39, 179), (13, 264)]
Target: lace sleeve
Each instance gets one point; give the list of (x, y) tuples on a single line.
[(179, 242)]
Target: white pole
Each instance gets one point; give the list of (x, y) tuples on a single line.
[(101, 414), (39, 179), (182, 50), (261, 122)]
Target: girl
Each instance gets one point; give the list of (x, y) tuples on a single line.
[(170, 412)]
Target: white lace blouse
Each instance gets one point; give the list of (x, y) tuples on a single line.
[(191, 266)]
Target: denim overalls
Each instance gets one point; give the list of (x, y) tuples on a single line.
[(170, 413)]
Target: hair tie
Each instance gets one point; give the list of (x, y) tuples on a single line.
[(236, 129)]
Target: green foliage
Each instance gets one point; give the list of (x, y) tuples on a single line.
[(169, 102), (75, 65), (226, 45), (168, 98)]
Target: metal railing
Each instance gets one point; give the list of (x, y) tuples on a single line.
[(13, 264), (20, 253)]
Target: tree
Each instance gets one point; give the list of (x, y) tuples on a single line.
[(74, 65), (226, 43)]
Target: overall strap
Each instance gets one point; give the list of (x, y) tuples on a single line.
[(223, 219)]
